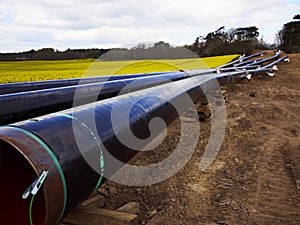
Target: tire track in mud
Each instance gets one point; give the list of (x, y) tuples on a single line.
[(276, 200)]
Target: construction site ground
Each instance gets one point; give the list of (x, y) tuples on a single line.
[(255, 178)]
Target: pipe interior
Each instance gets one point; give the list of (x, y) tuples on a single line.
[(17, 174)]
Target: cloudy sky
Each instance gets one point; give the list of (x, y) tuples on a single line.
[(62, 24)]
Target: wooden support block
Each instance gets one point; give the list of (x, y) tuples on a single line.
[(96, 216), (130, 207), (97, 201)]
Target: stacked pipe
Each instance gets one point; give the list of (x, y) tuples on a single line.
[(47, 147)]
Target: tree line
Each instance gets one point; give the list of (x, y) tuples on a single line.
[(52, 54), (244, 40), (232, 41)]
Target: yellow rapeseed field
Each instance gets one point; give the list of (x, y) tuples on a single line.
[(22, 71)]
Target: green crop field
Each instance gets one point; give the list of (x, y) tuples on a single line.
[(22, 71)]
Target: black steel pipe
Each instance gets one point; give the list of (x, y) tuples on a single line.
[(32, 86), (237, 68), (276, 62), (47, 84), (266, 59), (244, 63), (249, 62), (254, 55), (49, 143), (26, 105), (241, 59)]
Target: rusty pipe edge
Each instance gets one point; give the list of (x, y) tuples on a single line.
[(23, 157)]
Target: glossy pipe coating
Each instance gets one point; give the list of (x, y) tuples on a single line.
[(49, 143), (26, 105), (59, 143), (39, 85)]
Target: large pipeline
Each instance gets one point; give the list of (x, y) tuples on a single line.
[(241, 59), (253, 55), (267, 59), (39, 85), (284, 58), (249, 62), (49, 143), (26, 105)]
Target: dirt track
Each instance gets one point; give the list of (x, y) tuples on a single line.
[(253, 179)]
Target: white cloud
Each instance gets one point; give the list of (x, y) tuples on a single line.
[(27, 24)]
